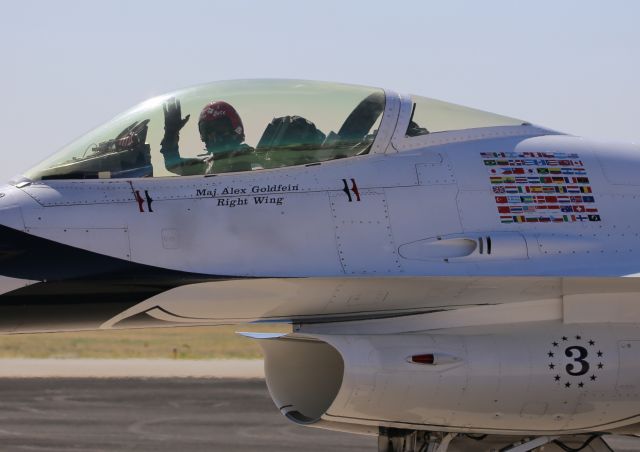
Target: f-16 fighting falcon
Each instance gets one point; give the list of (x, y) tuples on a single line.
[(448, 273)]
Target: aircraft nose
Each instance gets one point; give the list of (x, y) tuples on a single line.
[(16, 257), (11, 216), (11, 228)]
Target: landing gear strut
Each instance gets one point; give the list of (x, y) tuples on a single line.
[(399, 440)]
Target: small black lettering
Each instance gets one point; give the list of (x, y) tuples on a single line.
[(232, 202), (206, 192)]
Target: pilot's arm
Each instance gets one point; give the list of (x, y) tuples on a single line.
[(173, 122)]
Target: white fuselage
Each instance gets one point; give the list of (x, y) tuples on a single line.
[(427, 212)]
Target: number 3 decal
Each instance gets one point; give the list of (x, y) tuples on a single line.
[(582, 354)]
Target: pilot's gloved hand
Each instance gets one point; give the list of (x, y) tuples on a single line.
[(173, 121)]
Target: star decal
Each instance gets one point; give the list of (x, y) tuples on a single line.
[(570, 359)]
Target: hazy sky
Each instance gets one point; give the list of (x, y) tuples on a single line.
[(68, 66)]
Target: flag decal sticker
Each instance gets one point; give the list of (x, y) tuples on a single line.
[(540, 187)]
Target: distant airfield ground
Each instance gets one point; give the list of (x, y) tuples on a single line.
[(184, 343)]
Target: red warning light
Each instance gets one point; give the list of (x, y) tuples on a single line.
[(426, 358)]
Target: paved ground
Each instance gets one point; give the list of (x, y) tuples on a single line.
[(154, 415), (131, 368)]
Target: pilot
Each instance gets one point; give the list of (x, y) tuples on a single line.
[(221, 131)]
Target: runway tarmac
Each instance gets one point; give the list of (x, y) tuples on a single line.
[(168, 414)]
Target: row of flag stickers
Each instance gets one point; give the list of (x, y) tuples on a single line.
[(540, 187)]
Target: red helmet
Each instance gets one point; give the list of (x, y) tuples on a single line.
[(217, 112)]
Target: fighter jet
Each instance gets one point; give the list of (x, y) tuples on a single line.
[(449, 274)]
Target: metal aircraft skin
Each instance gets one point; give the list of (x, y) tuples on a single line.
[(446, 271)]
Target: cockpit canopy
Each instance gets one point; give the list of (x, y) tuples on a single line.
[(285, 123), (271, 124)]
